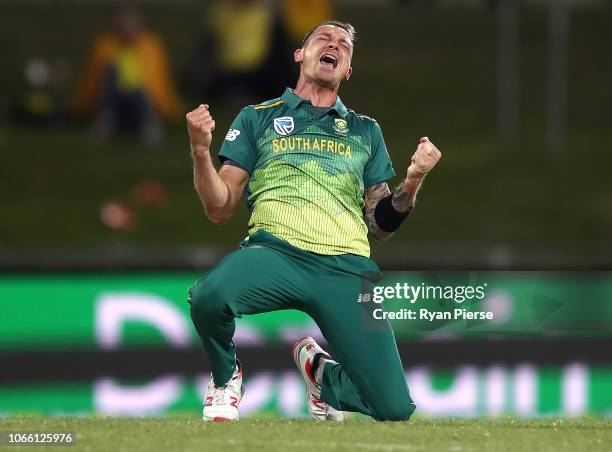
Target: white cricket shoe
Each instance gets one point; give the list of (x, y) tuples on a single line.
[(304, 352), (221, 403)]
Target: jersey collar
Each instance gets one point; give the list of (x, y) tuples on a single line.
[(293, 101)]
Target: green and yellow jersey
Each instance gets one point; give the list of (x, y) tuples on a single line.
[(309, 169)]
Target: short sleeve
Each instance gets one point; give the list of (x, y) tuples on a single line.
[(378, 167), (239, 143)]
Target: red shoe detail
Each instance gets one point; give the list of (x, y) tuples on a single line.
[(308, 368), (320, 404), (234, 402), (239, 374), (297, 342), (309, 347), (209, 401), (220, 419)]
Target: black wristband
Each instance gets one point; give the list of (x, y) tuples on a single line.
[(387, 218)]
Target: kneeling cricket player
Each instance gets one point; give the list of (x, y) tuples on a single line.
[(315, 177)]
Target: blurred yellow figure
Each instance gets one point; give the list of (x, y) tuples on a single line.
[(129, 69), (243, 53), (243, 32), (302, 15), (127, 81)]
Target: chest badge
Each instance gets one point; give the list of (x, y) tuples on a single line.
[(341, 126), (284, 125)]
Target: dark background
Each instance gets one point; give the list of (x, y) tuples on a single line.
[(501, 196)]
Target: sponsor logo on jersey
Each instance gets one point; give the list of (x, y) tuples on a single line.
[(284, 126), (232, 134), (341, 126)]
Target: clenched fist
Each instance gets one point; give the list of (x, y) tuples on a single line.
[(200, 125), (424, 159)]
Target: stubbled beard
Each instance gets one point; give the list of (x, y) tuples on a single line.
[(324, 81)]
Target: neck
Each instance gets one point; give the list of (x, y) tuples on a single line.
[(318, 95)]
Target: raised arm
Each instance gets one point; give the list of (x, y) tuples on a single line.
[(219, 191), (384, 212)]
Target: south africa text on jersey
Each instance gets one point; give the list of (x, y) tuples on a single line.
[(315, 144)]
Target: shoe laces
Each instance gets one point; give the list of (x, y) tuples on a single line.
[(219, 395)]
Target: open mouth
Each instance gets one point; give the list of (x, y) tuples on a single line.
[(328, 60)]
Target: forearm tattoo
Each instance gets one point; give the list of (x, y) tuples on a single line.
[(402, 201), (374, 194)]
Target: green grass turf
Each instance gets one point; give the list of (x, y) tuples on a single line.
[(581, 434)]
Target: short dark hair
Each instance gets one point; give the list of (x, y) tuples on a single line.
[(336, 23)]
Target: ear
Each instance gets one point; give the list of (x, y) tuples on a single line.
[(349, 72), (298, 55)]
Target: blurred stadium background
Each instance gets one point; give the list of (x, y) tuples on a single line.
[(102, 233)]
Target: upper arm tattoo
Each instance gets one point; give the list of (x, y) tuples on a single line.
[(372, 195)]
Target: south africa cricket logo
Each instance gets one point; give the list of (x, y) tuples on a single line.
[(284, 125), (340, 126)]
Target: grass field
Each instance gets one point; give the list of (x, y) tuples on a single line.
[(580, 434)]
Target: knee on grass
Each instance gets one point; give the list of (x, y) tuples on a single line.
[(394, 412)]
